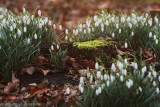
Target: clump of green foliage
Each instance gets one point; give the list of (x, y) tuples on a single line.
[(92, 45)]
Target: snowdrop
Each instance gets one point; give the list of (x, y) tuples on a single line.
[(11, 28), (126, 45), (122, 19), (132, 33), (108, 83), (113, 67), (156, 19), (130, 25), (102, 29), (140, 89), (52, 47), (68, 91), (28, 41), (66, 31), (107, 23), (14, 25), (113, 35), (98, 74), (60, 27), (119, 31), (154, 83), (125, 61), (54, 26), (150, 34), (120, 65), (154, 37), (157, 90), (150, 22), (57, 46), (66, 37), (95, 18), (128, 19), (96, 65), (39, 12), (25, 29), (91, 79), (49, 23), (121, 78), (19, 32), (101, 77), (35, 36), (117, 26), (81, 80)]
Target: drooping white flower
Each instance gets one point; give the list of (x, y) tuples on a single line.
[(81, 80), (57, 46), (156, 19), (132, 33), (32, 17), (119, 30), (25, 29), (81, 89), (39, 12), (108, 83), (28, 40), (154, 83), (157, 90), (117, 26), (14, 25), (101, 77), (66, 31), (113, 35), (125, 45), (60, 27), (98, 74), (128, 19), (96, 65), (49, 23), (150, 34), (107, 23), (130, 25), (95, 18), (121, 78), (154, 37), (122, 19), (35, 36), (19, 32), (52, 47), (150, 22), (113, 67), (125, 61), (68, 91), (102, 29), (154, 73), (66, 37), (24, 10), (159, 78), (91, 79), (140, 89), (11, 28), (120, 65)]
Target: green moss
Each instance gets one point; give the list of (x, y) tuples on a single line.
[(92, 45)]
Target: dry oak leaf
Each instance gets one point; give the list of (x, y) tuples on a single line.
[(28, 70), (44, 72), (38, 91), (9, 98), (11, 87)]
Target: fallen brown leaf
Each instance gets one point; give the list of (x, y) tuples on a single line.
[(11, 87), (28, 70), (44, 72)]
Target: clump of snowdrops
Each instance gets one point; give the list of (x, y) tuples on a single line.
[(20, 38), (134, 31), (126, 85)]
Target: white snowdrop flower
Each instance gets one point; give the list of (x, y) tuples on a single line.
[(40, 25), (88, 74), (14, 25), (54, 26), (107, 23), (121, 78), (154, 83), (100, 90), (25, 29), (28, 21), (19, 32), (81, 80), (119, 30), (117, 26), (131, 82), (39, 12), (128, 19), (24, 10), (28, 40), (105, 76), (124, 72), (135, 65), (125, 61), (140, 89), (132, 33), (128, 84), (126, 45), (84, 26), (112, 19), (144, 69), (120, 65), (149, 74), (100, 20), (156, 41), (32, 17), (156, 19), (154, 37), (96, 65), (49, 23), (108, 83), (60, 27), (68, 91), (154, 73), (35, 36), (150, 22), (96, 23), (97, 92), (112, 78), (122, 19), (157, 90), (95, 18), (102, 25), (57, 46), (96, 83), (46, 20), (98, 74), (146, 15), (102, 29), (113, 67), (85, 31), (150, 34), (52, 47), (66, 37), (130, 25), (117, 74), (113, 35), (91, 79), (159, 78), (81, 89), (134, 15), (66, 31), (11, 28)]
